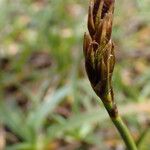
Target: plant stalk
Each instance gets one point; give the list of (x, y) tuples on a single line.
[(122, 129)]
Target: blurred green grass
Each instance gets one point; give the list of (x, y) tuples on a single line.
[(46, 100)]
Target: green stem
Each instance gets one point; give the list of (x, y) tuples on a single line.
[(120, 125), (125, 133)]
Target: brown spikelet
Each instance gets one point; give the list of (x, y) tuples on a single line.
[(98, 47)]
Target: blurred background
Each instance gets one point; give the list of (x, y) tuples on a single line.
[(46, 101)]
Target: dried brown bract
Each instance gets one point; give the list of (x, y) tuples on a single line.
[(99, 49)]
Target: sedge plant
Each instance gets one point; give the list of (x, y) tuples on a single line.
[(99, 56)]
